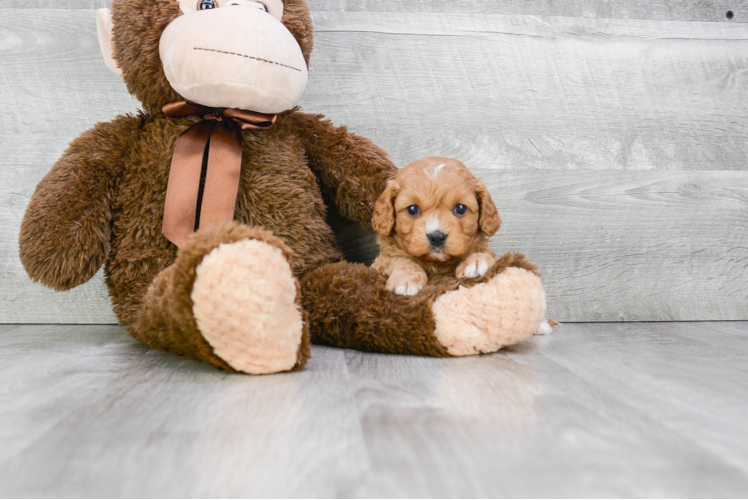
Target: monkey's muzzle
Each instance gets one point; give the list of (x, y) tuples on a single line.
[(234, 57)]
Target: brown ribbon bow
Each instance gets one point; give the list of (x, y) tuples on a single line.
[(218, 134)]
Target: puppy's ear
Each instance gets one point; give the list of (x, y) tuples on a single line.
[(384, 209), (489, 220)]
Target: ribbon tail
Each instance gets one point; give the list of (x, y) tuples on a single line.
[(180, 206), (222, 179), (248, 120), (185, 108)]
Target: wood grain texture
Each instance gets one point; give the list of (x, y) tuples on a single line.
[(57, 4), (671, 370), (535, 413), (592, 410), (644, 246), (226, 435), (615, 148), (666, 10), (516, 92)]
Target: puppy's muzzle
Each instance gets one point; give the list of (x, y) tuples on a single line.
[(437, 239)]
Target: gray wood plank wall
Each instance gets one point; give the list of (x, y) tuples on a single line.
[(612, 135)]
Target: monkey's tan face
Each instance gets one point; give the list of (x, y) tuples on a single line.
[(233, 54)]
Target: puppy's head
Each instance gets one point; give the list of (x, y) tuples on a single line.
[(436, 210)]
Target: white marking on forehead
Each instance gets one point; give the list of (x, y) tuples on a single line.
[(433, 223), (435, 171)]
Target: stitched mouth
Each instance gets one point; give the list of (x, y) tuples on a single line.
[(248, 57)]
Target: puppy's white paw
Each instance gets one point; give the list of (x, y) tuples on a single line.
[(475, 269), (475, 265), (544, 329), (404, 283), (408, 289), (405, 286)]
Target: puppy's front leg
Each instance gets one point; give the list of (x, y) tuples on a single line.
[(405, 276), (476, 264), (407, 280)]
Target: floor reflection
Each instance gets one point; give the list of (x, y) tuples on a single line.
[(500, 389)]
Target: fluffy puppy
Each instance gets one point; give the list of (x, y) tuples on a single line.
[(433, 220)]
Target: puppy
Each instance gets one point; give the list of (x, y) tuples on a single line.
[(433, 220)]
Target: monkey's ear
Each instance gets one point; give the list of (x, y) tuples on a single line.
[(104, 30), (384, 209), (489, 220)]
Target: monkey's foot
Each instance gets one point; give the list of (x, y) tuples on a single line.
[(507, 309), (244, 302)]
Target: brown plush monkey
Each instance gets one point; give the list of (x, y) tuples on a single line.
[(237, 164)]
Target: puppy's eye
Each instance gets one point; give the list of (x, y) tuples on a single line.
[(460, 209), (413, 210), (206, 4)]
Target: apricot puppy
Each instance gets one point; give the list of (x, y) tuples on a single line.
[(433, 219)]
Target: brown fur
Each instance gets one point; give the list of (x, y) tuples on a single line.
[(436, 185), (350, 306), (65, 236), (103, 202)]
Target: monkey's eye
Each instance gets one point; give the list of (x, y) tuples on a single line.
[(206, 4), (413, 210), (460, 209)]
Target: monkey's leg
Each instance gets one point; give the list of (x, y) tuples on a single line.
[(348, 305), (230, 300)]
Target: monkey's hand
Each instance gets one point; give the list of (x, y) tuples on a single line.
[(65, 232)]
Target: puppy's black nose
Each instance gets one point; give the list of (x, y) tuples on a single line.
[(437, 238)]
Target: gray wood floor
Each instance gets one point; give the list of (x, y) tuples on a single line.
[(632, 410)]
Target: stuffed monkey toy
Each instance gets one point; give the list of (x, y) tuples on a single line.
[(208, 208)]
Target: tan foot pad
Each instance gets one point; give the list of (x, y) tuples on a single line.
[(504, 311), (244, 301)]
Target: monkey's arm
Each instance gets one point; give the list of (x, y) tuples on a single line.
[(65, 232), (353, 170)]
